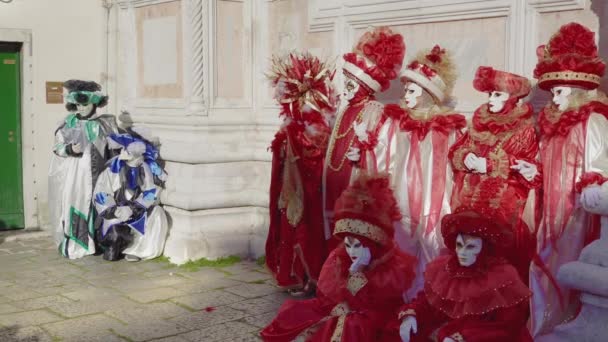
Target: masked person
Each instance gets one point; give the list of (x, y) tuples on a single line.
[(80, 154), (361, 284), (421, 173), (574, 152), (473, 294), (295, 247), (356, 141), (127, 200), (496, 162)]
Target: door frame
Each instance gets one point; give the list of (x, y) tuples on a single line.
[(28, 160)]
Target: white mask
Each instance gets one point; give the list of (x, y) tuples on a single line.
[(412, 93), (497, 101), (355, 249), (350, 89), (84, 110), (561, 97), (467, 249), (133, 154)]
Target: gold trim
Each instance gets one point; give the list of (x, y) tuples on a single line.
[(335, 136), (337, 336), (356, 281), (500, 162), (569, 76), (361, 228)]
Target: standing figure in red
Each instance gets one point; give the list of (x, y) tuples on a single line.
[(374, 62), (496, 162), (473, 294), (361, 284), (422, 176), (574, 152), (295, 248)]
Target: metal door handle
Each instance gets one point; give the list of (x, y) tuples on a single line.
[(11, 133)]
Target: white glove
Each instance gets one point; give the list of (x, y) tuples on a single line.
[(475, 163), (407, 327), (361, 261), (591, 196), (361, 131), (76, 148), (353, 154), (527, 170), (123, 213), (447, 339)]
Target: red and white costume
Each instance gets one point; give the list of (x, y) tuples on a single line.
[(358, 305), (484, 302), (503, 139), (574, 149), (373, 63), (421, 175), (295, 248)]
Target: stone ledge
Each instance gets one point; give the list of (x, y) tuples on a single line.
[(216, 233)]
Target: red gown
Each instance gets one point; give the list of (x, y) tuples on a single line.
[(295, 248), (338, 168), (481, 303), (501, 139), (348, 307)]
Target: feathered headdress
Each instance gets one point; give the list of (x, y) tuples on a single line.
[(488, 79), (302, 84), (376, 59), (433, 70), (569, 59)]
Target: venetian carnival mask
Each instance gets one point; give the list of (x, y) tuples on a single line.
[(356, 251), (467, 249), (85, 101), (133, 153), (412, 94), (561, 97), (351, 87), (497, 101)]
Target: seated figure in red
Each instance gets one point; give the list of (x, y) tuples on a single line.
[(362, 282), (473, 294)]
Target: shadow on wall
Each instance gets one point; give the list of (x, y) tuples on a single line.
[(601, 10), (15, 334)]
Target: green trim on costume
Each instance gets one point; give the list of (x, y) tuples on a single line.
[(71, 235)]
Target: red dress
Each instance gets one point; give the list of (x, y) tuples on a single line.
[(486, 302), (501, 139), (348, 307), (295, 248)]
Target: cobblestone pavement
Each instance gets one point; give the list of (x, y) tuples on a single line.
[(44, 297)]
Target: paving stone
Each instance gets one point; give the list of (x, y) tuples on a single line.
[(88, 328), (24, 334), (256, 306), (203, 319), (147, 312), (250, 276), (204, 274), (8, 308), (90, 307), (162, 293), (95, 337), (206, 285), (278, 297), (252, 290), (229, 331), (171, 339), (90, 293), (25, 318), (147, 330), (203, 300), (4, 283), (42, 302), (13, 293), (261, 321)]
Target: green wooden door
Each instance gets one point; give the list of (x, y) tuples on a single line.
[(11, 193)]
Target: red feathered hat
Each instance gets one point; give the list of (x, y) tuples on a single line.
[(376, 59), (488, 79), (486, 224), (569, 59), (433, 70), (367, 208)]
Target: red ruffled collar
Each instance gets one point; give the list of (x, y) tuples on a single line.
[(496, 123), (552, 122), (464, 291), (444, 122)]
